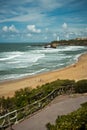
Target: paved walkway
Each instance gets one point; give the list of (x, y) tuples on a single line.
[(59, 106)]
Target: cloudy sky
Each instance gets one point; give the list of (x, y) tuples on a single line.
[(42, 20)]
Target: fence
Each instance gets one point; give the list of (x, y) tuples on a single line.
[(15, 116)]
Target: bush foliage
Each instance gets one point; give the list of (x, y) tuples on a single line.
[(28, 96), (81, 86), (76, 120)]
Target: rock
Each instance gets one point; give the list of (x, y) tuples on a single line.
[(53, 45)]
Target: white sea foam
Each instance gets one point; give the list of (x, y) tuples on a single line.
[(59, 49), (13, 62), (8, 58), (71, 48), (10, 55), (30, 58), (47, 50), (13, 76), (34, 60), (77, 56), (18, 76), (21, 66), (41, 70), (28, 46)]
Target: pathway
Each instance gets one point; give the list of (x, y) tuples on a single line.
[(59, 106)]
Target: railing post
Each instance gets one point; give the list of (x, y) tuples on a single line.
[(16, 117), (9, 122)]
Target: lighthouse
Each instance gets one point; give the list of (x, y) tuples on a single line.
[(57, 38)]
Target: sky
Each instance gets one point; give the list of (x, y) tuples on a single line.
[(42, 20)]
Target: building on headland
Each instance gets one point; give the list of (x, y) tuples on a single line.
[(82, 38), (76, 42), (58, 38)]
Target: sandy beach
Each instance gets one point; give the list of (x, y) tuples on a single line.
[(76, 72)]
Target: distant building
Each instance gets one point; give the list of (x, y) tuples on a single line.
[(83, 38), (57, 38)]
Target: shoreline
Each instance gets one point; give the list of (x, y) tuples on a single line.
[(30, 76), (76, 71)]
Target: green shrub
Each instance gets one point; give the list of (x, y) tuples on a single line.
[(81, 86), (28, 96), (76, 120)]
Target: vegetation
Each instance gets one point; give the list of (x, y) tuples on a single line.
[(80, 42), (81, 86), (27, 101), (28, 96), (76, 120)]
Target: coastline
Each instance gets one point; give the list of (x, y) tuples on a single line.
[(75, 71)]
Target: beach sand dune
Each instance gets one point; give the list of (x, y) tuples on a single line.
[(76, 72)]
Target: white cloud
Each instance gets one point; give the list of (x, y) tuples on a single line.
[(32, 28), (5, 29), (32, 13), (64, 26), (29, 35), (31, 16), (11, 28), (49, 4)]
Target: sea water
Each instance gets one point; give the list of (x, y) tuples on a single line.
[(21, 60)]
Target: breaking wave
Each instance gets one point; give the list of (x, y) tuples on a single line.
[(32, 60)]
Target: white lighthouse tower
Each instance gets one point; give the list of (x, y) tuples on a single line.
[(57, 38)]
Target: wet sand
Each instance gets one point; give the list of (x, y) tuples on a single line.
[(76, 72)]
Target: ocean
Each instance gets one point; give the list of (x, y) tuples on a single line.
[(22, 59)]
